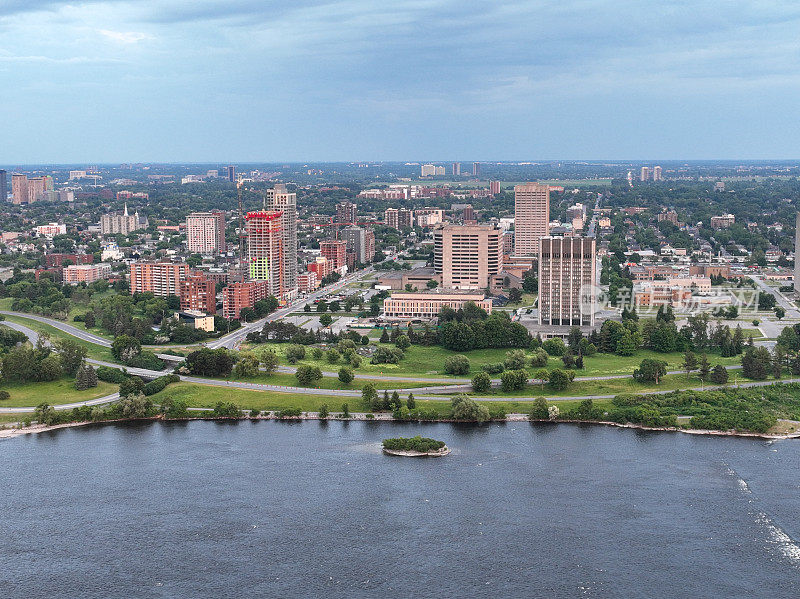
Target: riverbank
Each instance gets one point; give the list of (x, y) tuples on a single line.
[(7, 433)]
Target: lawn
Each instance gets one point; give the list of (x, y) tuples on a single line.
[(97, 352), (13, 418), (53, 392), (290, 380)]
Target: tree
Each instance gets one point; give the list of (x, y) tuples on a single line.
[(560, 379), (85, 378), (210, 362), (125, 347), (779, 312), (332, 356), (335, 306), (555, 347), (539, 359), (295, 353), (719, 375), (403, 342), (457, 336), (323, 412), (72, 355), (307, 375), (322, 306), (384, 336), (345, 411), (515, 360), (326, 320), (269, 360), (131, 386), (626, 346), (650, 371), (432, 284), (689, 362), (346, 375), (704, 367), (481, 382), (542, 375), (514, 295), (465, 408), (369, 396), (539, 410), (307, 308), (247, 366), (457, 365), (394, 402)]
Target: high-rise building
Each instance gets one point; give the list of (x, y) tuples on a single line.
[(265, 251), (122, 224), (335, 251), (657, 174), (531, 217), (644, 175), (369, 246), (198, 293), (237, 296), (476, 169), (467, 256), (428, 170), (232, 173), (494, 187), (205, 232), (468, 214), (3, 185), (280, 200), (567, 281), (37, 186), (797, 253), (347, 213), (399, 218), (19, 188), (159, 278), (86, 273), (456, 168), (356, 240)]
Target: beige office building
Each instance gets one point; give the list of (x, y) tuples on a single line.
[(531, 217), (467, 256), (427, 305), (567, 281)]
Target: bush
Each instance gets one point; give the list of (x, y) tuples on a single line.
[(4, 395), (226, 410), (403, 342), (515, 360), (387, 355), (513, 380), (147, 360), (539, 411), (539, 359), (111, 375), (560, 379), (295, 353), (289, 413), (465, 408), (481, 382), (421, 444), (457, 365), (555, 347), (307, 375), (159, 384), (496, 368)]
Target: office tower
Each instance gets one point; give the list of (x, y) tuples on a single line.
[(494, 187), (457, 168), (531, 217), (567, 281), (657, 174), (467, 256), (428, 170), (356, 240), (159, 278), (645, 174), (122, 224), (335, 251), (205, 232), (797, 253), (280, 200), (232, 173), (469, 213), (198, 293), (265, 250), (476, 169), (346, 213), (37, 186), (3, 185), (19, 188), (238, 296)]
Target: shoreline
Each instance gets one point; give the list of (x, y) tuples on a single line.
[(8, 432), (408, 453)]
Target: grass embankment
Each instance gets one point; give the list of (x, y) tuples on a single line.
[(94, 351), (55, 393), (290, 380), (13, 418), (207, 396)]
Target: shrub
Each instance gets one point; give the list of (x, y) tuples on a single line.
[(159, 384), (4, 395), (457, 365), (465, 408), (403, 342), (111, 375), (560, 379), (324, 412), (387, 355), (495, 368), (295, 353), (288, 413), (481, 382), (307, 375), (555, 347), (539, 359), (513, 380), (515, 360), (540, 410), (226, 410)]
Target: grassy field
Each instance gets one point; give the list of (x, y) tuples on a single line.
[(207, 396), (54, 392), (94, 351), (290, 380), (12, 418)]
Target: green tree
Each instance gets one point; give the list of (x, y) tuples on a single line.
[(324, 412), (560, 379), (326, 320), (539, 410), (650, 371), (704, 367), (322, 306), (369, 396), (626, 346), (72, 355), (481, 382), (346, 375), (515, 360), (456, 365), (719, 375), (125, 348), (307, 375), (689, 362), (269, 360), (403, 342), (411, 403), (465, 408), (247, 365)]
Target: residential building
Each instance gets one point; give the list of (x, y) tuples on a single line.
[(346, 213), (427, 305), (369, 246), (52, 260), (322, 267), (399, 218), (50, 230), (198, 293), (649, 294), (196, 319), (476, 169), (86, 273), (119, 224), (427, 170), (237, 296), (335, 251), (722, 222), (159, 278), (467, 256), (232, 173), (657, 174), (280, 200), (356, 240), (3, 185), (265, 251), (205, 232), (456, 169), (19, 188), (74, 175), (531, 217), (644, 174), (494, 187), (468, 214), (668, 215), (307, 281), (567, 281)]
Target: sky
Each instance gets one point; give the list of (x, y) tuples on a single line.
[(315, 80)]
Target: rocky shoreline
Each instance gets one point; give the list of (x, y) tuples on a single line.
[(10, 432), (418, 454)]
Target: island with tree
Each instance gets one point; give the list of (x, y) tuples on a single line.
[(415, 447)]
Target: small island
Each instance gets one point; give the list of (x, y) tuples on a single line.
[(415, 447)]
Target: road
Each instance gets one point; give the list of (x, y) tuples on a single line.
[(792, 311)]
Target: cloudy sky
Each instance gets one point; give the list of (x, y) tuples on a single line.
[(306, 80)]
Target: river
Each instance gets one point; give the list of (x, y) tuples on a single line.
[(275, 509)]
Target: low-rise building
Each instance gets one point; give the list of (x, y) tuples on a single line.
[(86, 273), (404, 305)]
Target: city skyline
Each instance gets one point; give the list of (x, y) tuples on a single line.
[(131, 85)]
